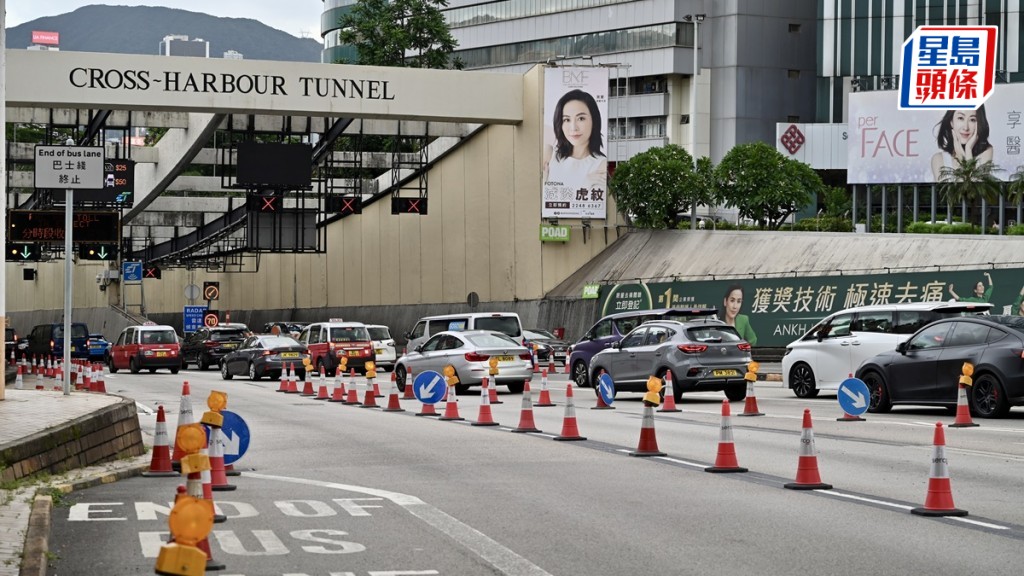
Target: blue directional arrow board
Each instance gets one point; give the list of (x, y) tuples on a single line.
[(235, 434), (606, 388), (131, 271), (429, 387), (854, 396)]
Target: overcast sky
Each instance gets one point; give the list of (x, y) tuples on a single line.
[(296, 17)]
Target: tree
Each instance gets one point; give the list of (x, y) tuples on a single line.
[(969, 181), (764, 185), (401, 33), (1015, 191), (655, 186)]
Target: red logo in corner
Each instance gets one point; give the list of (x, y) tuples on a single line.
[(792, 139)]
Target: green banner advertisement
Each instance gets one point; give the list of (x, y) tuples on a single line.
[(772, 312)]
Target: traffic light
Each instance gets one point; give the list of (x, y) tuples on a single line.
[(408, 205), (211, 290), (150, 271), (22, 252), (97, 251)]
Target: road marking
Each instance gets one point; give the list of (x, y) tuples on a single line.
[(683, 462), (144, 409), (982, 524), (501, 558), (868, 500)]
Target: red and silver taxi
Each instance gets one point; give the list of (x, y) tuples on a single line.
[(329, 342), (148, 346)]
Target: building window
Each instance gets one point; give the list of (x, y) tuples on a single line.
[(794, 28), (512, 9), (793, 74), (792, 118), (651, 128)]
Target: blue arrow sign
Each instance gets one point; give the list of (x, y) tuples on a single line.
[(235, 434), (854, 396), (429, 387), (606, 388), (131, 271)]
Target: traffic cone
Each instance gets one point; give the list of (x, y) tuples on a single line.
[(939, 501), (87, 378), (526, 423), (229, 469), (307, 386), (284, 382), (600, 401), (218, 477), (551, 364), (185, 417), (208, 487), (567, 369), (321, 393), (484, 417), (726, 459), (353, 395), (19, 382), (750, 404), (194, 485), (493, 391), (408, 393), (846, 417), (339, 389), (376, 388), (393, 404), (98, 385), (669, 404), (545, 396), (807, 477), (451, 409), (963, 411), (648, 445), (160, 463), (293, 382), (570, 431), (370, 396), (39, 378), (427, 410)]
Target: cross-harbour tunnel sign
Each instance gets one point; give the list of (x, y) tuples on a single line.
[(53, 79), (776, 311)]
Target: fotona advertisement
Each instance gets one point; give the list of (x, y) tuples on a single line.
[(776, 311), (892, 146), (575, 158)]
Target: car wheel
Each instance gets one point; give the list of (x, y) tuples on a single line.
[(516, 387), (110, 364), (253, 374), (204, 362), (224, 372), (174, 370), (579, 374), (880, 401), (322, 369), (152, 370), (987, 398), (133, 366), (400, 375), (801, 380), (736, 392)]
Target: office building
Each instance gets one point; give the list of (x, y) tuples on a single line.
[(179, 45)]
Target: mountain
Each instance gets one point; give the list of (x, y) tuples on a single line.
[(139, 30)]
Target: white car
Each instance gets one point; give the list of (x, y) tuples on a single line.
[(834, 348), (383, 345)]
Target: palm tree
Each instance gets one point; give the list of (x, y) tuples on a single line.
[(1015, 191), (970, 181)]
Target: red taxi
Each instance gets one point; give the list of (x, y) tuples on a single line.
[(329, 342), (149, 346)]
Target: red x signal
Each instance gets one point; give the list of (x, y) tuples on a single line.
[(268, 204)]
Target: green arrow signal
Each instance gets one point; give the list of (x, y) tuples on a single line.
[(26, 253), (102, 253)]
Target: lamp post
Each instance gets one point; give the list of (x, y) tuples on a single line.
[(696, 19)]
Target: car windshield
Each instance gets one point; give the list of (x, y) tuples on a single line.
[(349, 334), (76, 332), (219, 335), (279, 342), (491, 341), (381, 333), (159, 337), (544, 335), (508, 325), (713, 334), (97, 336), (1015, 323)]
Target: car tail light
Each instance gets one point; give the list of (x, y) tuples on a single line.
[(210, 344), (744, 346), (51, 344), (268, 352), (693, 371), (474, 357), (526, 356), (692, 348)]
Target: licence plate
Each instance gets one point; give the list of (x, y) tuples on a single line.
[(353, 352), (379, 350), (289, 354), (161, 354), (725, 373), (229, 345), (505, 358)]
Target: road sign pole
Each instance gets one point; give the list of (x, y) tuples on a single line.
[(69, 204)]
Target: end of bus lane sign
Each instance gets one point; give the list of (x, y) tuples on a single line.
[(69, 167)]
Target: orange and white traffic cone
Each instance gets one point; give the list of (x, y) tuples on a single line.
[(669, 404), (427, 410), (726, 461), (370, 396), (484, 417), (19, 381), (963, 410), (648, 445), (208, 487), (600, 399), (493, 391), (338, 395), (353, 393), (750, 402), (321, 393), (807, 476), (939, 501), (218, 477), (545, 395), (98, 385), (185, 418), (526, 423), (283, 387), (566, 366), (307, 386), (393, 404), (160, 463), (570, 430), (293, 381), (408, 393), (376, 388), (551, 364), (194, 487), (451, 409)]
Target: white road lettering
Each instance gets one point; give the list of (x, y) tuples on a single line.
[(312, 508), (85, 511), (149, 510), (353, 509), (150, 542), (310, 536), (230, 544)]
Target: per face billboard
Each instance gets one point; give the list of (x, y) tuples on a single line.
[(892, 146), (575, 146)]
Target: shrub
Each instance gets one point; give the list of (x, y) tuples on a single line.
[(1017, 230), (957, 229)]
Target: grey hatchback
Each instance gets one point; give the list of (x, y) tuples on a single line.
[(702, 355)]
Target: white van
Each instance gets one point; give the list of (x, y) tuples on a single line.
[(505, 322), (834, 348)]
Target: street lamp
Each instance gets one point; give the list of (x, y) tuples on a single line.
[(696, 19)]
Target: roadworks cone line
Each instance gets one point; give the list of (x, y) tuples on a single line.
[(451, 408), (726, 461), (939, 501), (185, 417), (484, 417), (648, 445), (570, 429), (669, 404), (408, 393), (370, 396), (545, 396), (218, 477), (160, 463), (526, 423), (963, 411), (807, 476), (393, 404)]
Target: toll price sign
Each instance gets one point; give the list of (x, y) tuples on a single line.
[(48, 226)]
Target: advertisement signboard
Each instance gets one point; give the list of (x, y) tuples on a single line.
[(892, 146), (773, 312), (575, 161), (46, 38)]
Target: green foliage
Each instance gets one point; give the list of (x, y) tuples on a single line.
[(653, 186), (1015, 190), (153, 135), (1017, 230), (923, 228), (400, 33), (824, 224), (958, 229), (838, 201), (969, 181), (764, 185)]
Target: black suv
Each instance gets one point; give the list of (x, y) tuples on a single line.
[(11, 344), (205, 347)]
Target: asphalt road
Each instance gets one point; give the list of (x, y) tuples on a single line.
[(330, 489)]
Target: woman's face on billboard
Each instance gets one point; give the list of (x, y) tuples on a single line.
[(577, 124), (965, 125)]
